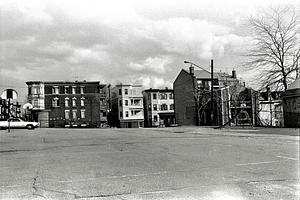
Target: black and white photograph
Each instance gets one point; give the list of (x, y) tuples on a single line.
[(149, 99)]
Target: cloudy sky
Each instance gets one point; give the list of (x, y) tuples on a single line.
[(143, 42)]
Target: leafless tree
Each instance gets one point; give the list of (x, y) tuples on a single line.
[(275, 51)]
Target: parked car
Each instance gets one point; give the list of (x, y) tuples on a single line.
[(18, 123)]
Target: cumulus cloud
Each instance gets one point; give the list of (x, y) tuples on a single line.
[(155, 65), (116, 41)]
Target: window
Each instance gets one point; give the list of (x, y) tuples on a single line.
[(131, 102), (82, 101), (81, 89), (67, 90), (74, 114), (35, 103), (55, 102), (154, 106), (126, 113), (154, 96), (67, 102), (73, 89), (126, 91), (104, 114), (126, 102), (120, 103), (29, 90), (163, 96), (164, 107), (36, 90), (155, 118), (132, 113), (121, 114), (55, 90), (74, 102), (171, 96), (172, 107), (67, 114), (82, 113), (102, 102), (149, 107), (120, 91)]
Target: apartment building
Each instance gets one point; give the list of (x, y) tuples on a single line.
[(159, 107), (127, 106), (192, 98), (68, 104)]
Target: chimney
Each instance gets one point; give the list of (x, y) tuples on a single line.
[(192, 70), (233, 73), (268, 93)]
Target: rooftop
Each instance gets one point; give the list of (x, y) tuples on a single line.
[(159, 90), (63, 82)]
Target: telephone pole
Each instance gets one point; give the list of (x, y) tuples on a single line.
[(212, 92)]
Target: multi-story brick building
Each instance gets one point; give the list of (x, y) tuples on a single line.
[(127, 106), (159, 107), (192, 98), (64, 103)]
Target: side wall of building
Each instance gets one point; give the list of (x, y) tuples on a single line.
[(184, 100), (291, 108)]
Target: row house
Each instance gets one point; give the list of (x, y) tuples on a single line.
[(65, 104), (159, 107), (231, 103), (127, 106)]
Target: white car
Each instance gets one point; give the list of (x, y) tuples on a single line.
[(18, 123)]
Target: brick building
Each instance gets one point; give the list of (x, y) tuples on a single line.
[(68, 104), (192, 98), (127, 106), (159, 107)]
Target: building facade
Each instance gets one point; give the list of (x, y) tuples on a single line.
[(159, 107), (127, 106), (291, 105), (68, 104), (9, 111), (193, 104)]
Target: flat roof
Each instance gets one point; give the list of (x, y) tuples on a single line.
[(128, 85), (64, 82), (159, 90)]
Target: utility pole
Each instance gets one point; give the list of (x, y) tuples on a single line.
[(212, 91)]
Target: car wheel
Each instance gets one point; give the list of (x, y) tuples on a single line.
[(29, 126)]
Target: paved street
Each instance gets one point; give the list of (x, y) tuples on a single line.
[(164, 163)]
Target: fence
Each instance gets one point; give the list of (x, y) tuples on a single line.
[(262, 118)]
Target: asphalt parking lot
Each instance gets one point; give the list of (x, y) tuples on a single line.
[(157, 163)]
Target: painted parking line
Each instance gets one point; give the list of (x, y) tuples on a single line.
[(289, 158), (267, 162), (259, 163)]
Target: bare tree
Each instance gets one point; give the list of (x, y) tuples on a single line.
[(276, 51)]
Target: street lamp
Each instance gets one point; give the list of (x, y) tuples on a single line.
[(212, 85)]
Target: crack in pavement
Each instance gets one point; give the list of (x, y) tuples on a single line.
[(77, 196), (35, 192), (49, 148)]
